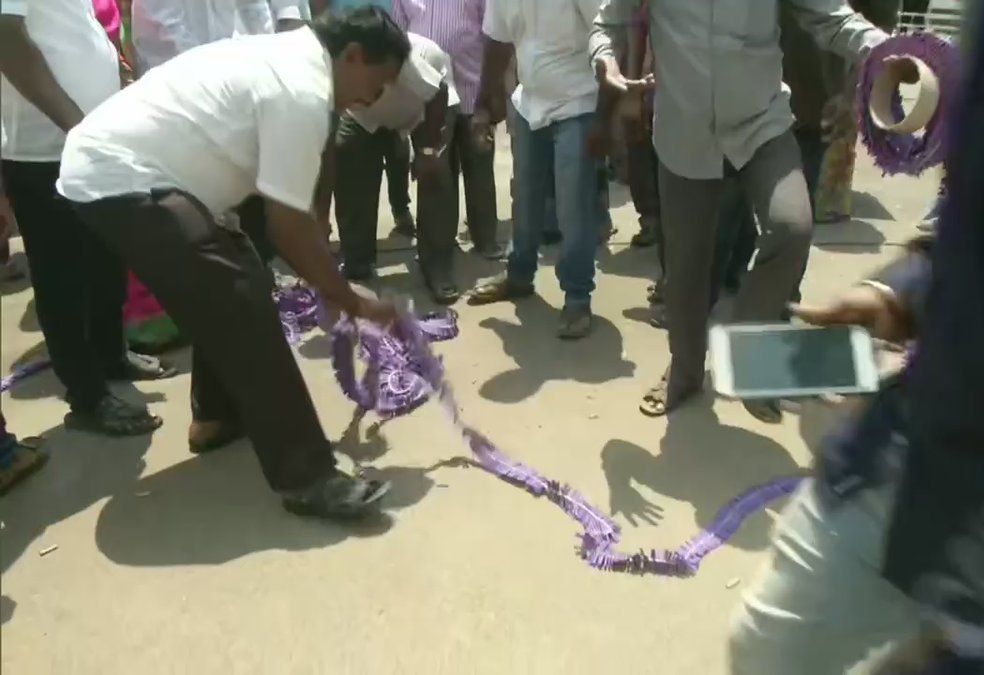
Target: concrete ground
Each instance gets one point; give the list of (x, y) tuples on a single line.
[(168, 563)]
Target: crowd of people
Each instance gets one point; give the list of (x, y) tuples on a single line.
[(138, 139)]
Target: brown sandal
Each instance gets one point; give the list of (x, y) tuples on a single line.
[(499, 289)]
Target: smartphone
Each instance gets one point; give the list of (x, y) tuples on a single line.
[(789, 361)]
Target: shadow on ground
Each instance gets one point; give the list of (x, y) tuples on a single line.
[(700, 461), (541, 357), (209, 510), (83, 469)]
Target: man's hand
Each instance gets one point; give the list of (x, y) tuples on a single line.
[(482, 129), (608, 74), (876, 309), (380, 312)]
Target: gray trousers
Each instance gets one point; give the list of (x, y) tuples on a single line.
[(821, 605), (476, 165), (774, 185)]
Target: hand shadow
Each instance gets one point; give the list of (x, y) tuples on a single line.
[(540, 357), (700, 461)]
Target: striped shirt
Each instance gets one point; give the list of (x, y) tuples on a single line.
[(456, 27)]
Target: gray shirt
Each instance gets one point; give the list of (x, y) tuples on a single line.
[(718, 70)]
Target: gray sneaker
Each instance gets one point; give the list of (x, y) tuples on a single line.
[(575, 322)]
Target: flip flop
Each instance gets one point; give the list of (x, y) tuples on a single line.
[(654, 401)]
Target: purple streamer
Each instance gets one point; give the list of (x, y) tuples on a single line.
[(22, 373), (909, 153), (402, 372)]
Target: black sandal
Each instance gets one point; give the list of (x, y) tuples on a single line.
[(339, 496), (114, 417)]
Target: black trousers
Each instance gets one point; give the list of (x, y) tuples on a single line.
[(213, 284), (360, 158), (476, 166), (79, 283), (210, 401)]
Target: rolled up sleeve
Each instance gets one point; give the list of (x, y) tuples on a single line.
[(837, 28), (613, 16)]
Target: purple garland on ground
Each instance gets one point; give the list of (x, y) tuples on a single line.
[(402, 373), (909, 153), (22, 373)]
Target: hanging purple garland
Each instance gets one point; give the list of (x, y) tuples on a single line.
[(909, 153), (402, 373)]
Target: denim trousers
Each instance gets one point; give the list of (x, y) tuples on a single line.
[(558, 152)]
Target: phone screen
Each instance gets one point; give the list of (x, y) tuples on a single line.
[(793, 359)]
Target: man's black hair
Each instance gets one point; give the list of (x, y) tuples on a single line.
[(371, 27)]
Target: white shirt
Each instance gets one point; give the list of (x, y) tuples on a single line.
[(556, 80), (162, 29), (277, 10), (401, 106), (221, 122), (83, 61), (290, 9)]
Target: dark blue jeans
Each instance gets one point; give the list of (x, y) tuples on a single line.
[(556, 153)]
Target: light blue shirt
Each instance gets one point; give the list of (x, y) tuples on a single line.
[(345, 5)]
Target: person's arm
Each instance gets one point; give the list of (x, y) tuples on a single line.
[(300, 241), (430, 133), (490, 104), (23, 64), (837, 28), (889, 303)]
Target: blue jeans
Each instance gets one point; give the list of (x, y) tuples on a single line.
[(558, 150)]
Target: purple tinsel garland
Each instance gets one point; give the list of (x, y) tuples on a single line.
[(909, 153), (402, 373), (22, 373)]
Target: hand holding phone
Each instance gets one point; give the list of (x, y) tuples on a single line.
[(789, 361)]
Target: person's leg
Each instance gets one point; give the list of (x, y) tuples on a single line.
[(821, 603), (105, 299), (478, 172), (533, 167), (775, 186), (578, 211), (690, 218), (54, 244), (222, 302), (437, 223), (18, 460), (641, 165), (397, 153), (359, 155)]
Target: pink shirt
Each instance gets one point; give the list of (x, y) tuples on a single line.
[(456, 27), (108, 15)]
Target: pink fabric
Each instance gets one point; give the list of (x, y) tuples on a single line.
[(140, 303), (456, 27), (108, 14)]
